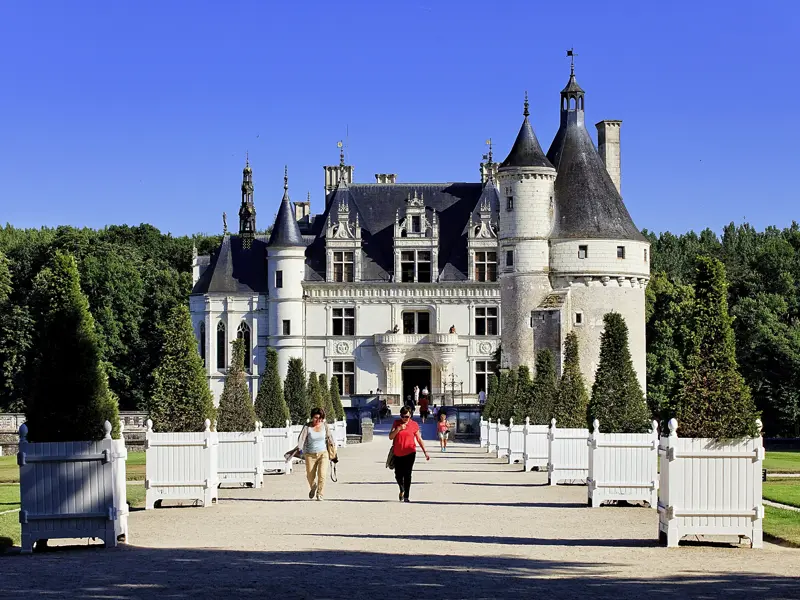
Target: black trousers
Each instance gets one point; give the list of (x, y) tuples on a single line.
[(403, 465)]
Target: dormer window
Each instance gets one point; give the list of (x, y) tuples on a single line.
[(416, 225), (416, 242), (485, 266), (415, 266), (343, 266)]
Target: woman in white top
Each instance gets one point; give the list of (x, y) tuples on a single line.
[(316, 442)]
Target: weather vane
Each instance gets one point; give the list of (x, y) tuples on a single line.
[(571, 54), (340, 145)]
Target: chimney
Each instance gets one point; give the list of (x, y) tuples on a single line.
[(608, 144), (385, 178), (332, 176)]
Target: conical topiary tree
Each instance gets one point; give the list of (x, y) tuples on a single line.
[(313, 392), (713, 400), (490, 408), (294, 391), (543, 392), (181, 399), (521, 402), (617, 400), (507, 390), (270, 405), (236, 411), (68, 396), (336, 399), (571, 398), (325, 392)]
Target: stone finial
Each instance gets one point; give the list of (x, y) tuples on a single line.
[(759, 425), (654, 426), (23, 433), (224, 223), (121, 429), (511, 422), (288, 423), (527, 421), (207, 424), (596, 427), (552, 422), (673, 427), (149, 425), (106, 430)]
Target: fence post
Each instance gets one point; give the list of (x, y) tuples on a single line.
[(674, 480), (551, 436)]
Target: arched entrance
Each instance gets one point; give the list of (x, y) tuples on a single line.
[(415, 372)]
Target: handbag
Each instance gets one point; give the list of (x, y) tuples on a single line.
[(390, 458)]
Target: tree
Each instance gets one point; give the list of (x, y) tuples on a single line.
[(617, 399), (313, 392), (713, 400), (543, 390), (270, 405), (68, 396), (336, 400), (521, 402), (327, 404), (294, 390), (572, 399), (490, 408), (181, 399), (5, 279), (236, 411)]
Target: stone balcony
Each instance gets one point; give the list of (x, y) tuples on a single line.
[(413, 339)]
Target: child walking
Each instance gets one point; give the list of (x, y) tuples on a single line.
[(443, 427)]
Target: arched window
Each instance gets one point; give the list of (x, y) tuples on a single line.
[(221, 343), (243, 333), (202, 341)]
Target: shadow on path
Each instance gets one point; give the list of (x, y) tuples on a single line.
[(510, 541)]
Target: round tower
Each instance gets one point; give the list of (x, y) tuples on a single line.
[(286, 265), (526, 181)]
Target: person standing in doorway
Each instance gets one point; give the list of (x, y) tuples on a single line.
[(443, 429), (423, 407), (317, 442), (405, 436)]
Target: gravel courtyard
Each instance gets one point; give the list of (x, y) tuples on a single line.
[(476, 528)]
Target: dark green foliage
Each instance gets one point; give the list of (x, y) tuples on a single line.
[(294, 390), (543, 391), (523, 395), (270, 405), (617, 399), (5, 279), (336, 400), (68, 397), (181, 398), (713, 400), (572, 400), (236, 411), (314, 394), (490, 408), (327, 403)]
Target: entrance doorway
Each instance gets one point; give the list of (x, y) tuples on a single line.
[(415, 372)]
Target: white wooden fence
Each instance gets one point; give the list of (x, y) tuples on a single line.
[(240, 458), (623, 466), (339, 432), (181, 466), (503, 440), (710, 487), (277, 441), (493, 428), (72, 490), (568, 457), (484, 433), (516, 442), (535, 446)]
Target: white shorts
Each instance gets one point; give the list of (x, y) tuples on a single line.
[(443, 435)]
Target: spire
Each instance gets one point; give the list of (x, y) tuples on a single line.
[(247, 209), (285, 231), (488, 166), (526, 151), (341, 154), (285, 181), (526, 113)]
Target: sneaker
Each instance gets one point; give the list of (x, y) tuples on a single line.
[(319, 498), (312, 492), (406, 500), (401, 497)]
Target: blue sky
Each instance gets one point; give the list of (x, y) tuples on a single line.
[(129, 112)]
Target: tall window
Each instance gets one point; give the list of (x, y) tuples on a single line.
[(509, 258), (486, 266), (278, 279), (483, 371), (202, 341), (344, 321), (416, 322), (221, 345), (345, 373), (243, 333), (486, 320), (287, 327), (416, 224), (343, 266), (415, 266), (509, 202)]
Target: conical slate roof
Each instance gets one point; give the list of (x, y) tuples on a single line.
[(526, 151), (285, 231), (572, 85)]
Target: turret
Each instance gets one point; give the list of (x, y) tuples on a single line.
[(286, 267), (247, 210)]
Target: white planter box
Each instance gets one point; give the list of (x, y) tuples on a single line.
[(181, 466), (339, 432), (710, 487), (484, 433), (516, 442), (567, 454), (239, 459), (623, 466), (493, 429), (502, 440), (535, 446), (72, 490), (275, 442)]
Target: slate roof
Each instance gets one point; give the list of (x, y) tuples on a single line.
[(526, 151), (235, 269), (285, 231)]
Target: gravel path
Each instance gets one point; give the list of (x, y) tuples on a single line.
[(476, 528)]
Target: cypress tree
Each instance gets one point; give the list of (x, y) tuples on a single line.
[(543, 392), (327, 403), (270, 405), (507, 393), (572, 399), (336, 399), (236, 411), (181, 399), (490, 408), (713, 400), (5, 279), (521, 402), (617, 399), (313, 392), (68, 396), (294, 391)]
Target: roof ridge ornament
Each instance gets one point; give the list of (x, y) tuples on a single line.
[(340, 145), (526, 113), (571, 54), (285, 178)]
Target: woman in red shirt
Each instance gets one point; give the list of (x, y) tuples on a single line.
[(405, 436)]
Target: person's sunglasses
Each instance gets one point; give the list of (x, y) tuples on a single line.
[(405, 417)]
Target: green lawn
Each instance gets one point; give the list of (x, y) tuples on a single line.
[(783, 462), (785, 491), (783, 525), (9, 471)]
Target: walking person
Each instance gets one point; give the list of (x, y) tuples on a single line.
[(423, 407), (319, 449), (443, 429), (405, 436)]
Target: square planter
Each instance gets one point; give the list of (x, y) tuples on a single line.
[(339, 432), (567, 454), (516, 442), (503, 440), (240, 459), (275, 442), (493, 429), (710, 487), (72, 490), (484, 439), (535, 446), (623, 466), (181, 466)]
